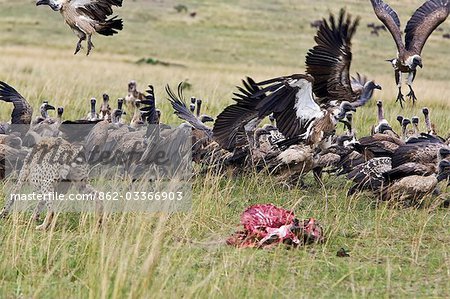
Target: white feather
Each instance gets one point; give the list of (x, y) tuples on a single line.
[(305, 106)]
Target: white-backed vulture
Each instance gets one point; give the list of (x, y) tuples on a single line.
[(86, 17), (419, 27)]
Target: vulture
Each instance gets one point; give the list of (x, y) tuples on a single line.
[(133, 95), (419, 27), (22, 112), (329, 64), (43, 109), (85, 17), (92, 115), (305, 106)]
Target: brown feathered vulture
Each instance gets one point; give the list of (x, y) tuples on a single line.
[(86, 17), (295, 101), (419, 27), (22, 113)]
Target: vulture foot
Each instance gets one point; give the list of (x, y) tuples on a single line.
[(412, 96), (400, 98), (78, 48), (90, 47)]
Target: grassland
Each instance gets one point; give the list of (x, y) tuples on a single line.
[(393, 252)]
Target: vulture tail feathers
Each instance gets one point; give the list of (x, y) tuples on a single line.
[(111, 27)]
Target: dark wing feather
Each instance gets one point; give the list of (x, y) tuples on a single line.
[(183, 112), (22, 112), (329, 61), (369, 175), (293, 114), (425, 152), (98, 9), (229, 127), (391, 20), (423, 22)]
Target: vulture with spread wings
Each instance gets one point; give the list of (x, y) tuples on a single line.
[(305, 106), (85, 17), (22, 113), (419, 27)]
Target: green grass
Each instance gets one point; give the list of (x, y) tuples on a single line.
[(393, 252)]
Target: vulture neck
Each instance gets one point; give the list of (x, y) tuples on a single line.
[(93, 110), (416, 130), (404, 132), (380, 114), (428, 124), (44, 112), (55, 5)]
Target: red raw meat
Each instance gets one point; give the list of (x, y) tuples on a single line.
[(267, 224)]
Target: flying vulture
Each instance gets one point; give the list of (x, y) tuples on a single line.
[(86, 17), (419, 27), (305, 106)]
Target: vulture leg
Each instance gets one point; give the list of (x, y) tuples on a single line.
[(398, 80), (411, 94), (78, 48), (89, 44)]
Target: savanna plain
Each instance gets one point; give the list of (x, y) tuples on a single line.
[(394, 252)]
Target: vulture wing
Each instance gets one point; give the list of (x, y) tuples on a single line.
[(96, 9), (390, 19), (423, 22), (183, 112), (329, 61), (358, 82), (22, 112), (291, 101), (230, 125)]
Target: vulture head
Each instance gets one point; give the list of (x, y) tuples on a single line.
[(132, 87), (44, 108), (405, 123), (120, 103), (52, 3), (371, 85), (414, 61), (116, 115), (60, 111), (379, 104), (158, 115), (345, 107), (415, 120), (425, 111), (400, 119)]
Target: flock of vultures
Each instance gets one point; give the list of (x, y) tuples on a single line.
[(284, 127)]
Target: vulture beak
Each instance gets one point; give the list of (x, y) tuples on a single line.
[(421, 65), (378, 87), (206, 118), (49, 107), (41, 2)]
